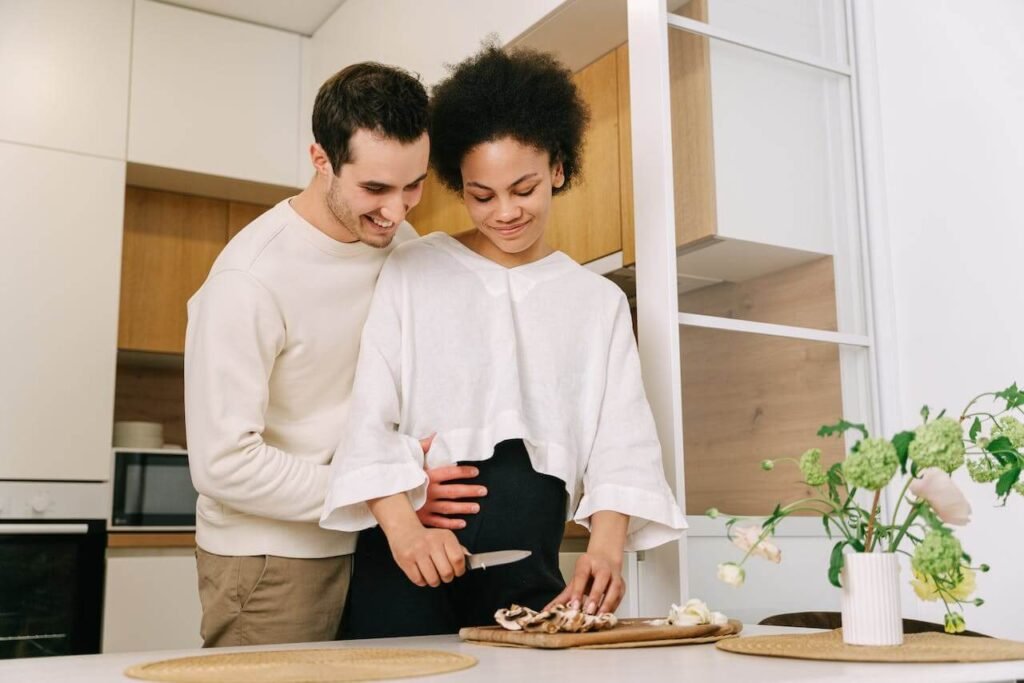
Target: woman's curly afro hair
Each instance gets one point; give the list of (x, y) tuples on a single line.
[(522, 94)]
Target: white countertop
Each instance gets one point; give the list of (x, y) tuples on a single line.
[(703, 663)]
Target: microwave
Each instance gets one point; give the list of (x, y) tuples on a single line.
[(152, 491)]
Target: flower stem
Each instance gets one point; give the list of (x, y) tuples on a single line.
[(903, 494), (906, 525), (869, 536)]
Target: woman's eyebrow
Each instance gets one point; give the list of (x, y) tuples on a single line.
[(516, 182)]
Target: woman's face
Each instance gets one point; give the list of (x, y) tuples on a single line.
[(507, 186)]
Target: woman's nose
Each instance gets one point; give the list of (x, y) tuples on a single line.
[(509, 212)]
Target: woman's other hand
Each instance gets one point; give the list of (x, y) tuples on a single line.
[(597, 584)]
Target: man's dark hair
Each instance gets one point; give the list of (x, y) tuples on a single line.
[(523, 94), (380, 98)]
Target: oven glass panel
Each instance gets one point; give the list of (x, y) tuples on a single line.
[(51, 592)]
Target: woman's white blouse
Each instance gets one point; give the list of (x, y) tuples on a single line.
[(477, 353)]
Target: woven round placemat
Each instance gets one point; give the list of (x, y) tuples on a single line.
[(339, 665), (916, 647)]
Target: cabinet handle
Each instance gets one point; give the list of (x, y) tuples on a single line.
[(30, 529)]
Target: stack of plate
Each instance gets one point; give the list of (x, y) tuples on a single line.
[(138, 435)]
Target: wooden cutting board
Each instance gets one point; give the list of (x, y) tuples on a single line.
[(627, 633)]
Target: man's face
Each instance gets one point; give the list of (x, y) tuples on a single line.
[(377, 187)]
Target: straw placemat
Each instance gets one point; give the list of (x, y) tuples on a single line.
[(339, 665), (916, 647)]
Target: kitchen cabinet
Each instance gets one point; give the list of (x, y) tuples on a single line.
[(64, 81), (586, 222), (58, 290), (151, 601), (214, 96), (170, 242)]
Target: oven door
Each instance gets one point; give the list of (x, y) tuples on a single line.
[(51, 591)]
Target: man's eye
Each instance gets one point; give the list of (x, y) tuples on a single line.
[(374, 190)]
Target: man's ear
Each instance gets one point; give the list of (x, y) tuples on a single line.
[(557, 175), (321, 161)]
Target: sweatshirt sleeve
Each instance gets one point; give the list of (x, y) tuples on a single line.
[(373, 459), (235, 332), (624, 472)]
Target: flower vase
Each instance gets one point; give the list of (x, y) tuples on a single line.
[(871, 599)]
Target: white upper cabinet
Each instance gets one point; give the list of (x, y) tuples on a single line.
[(64, 74), (214, 95), (59, 273)]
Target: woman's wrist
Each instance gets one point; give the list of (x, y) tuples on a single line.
[(395, 515), (608, 534)]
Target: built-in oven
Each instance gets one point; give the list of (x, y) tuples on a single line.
[(152, 491), (53, 539)]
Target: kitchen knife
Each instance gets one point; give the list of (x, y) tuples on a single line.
[(492, 559)]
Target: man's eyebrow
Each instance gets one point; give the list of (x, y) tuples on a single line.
[(378, 183), (516, 182)]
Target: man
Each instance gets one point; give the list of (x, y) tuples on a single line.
[(270, 352)]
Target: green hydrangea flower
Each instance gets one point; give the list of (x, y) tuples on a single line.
[(1011, 429), (872, 465), (938, 444), (810, 465), (938, 554), (985, 470)]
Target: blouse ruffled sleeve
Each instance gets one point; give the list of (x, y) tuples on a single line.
[(624, 472)]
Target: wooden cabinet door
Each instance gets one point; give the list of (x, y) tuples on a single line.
[(170, 242), (585, 221)]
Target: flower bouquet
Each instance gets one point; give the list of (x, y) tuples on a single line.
[(987, 438)]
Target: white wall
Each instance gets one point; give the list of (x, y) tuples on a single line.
[(419, 36), (951, 94)]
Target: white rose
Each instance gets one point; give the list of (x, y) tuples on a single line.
[(731, 573), (693, 613), (719, 619), (746, 539)]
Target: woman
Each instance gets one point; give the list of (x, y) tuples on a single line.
[(520, 360)]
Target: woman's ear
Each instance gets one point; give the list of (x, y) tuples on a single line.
[(557, 175)]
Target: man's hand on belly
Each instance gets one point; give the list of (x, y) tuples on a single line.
[(444, 499)]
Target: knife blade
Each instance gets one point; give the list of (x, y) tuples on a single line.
[(492, 559)]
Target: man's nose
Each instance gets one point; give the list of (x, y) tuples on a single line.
[(394, 210)]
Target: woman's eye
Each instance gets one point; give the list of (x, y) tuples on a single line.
[(482, 200), (527, 193)]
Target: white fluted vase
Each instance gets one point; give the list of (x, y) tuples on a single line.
[(871, 599)]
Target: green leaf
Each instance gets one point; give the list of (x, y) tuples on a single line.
[(939, 416), (1012, 395), (835, 564), (902, 443), (856, 545), (1002, 450), (924, 413), (1006, 482), (975, 428), (828, 530), (776, 513), (841, 427)]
